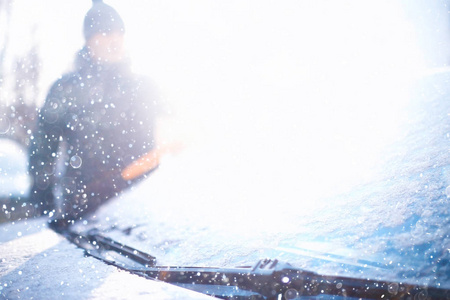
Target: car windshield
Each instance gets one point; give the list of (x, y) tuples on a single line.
[(313, 132)]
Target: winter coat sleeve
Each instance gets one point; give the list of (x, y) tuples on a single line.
[(44, 145)]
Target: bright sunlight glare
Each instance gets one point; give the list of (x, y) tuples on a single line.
[(285, 102), (301, 97)]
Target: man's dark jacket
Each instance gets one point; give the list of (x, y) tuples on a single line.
[(94, 122)]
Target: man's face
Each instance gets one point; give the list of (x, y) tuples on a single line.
[(107, 47)]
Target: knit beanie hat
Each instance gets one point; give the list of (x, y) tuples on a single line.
[(102, 18)]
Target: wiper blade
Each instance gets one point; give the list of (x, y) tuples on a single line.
[(268, 279), (110, 251)]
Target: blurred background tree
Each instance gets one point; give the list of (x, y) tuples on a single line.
[(19, 87)]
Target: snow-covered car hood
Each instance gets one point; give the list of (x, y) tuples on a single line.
[(393, 227)]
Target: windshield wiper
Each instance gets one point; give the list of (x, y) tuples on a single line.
[(268, 279)]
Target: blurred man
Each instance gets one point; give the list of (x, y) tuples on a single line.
[(95, 122)]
